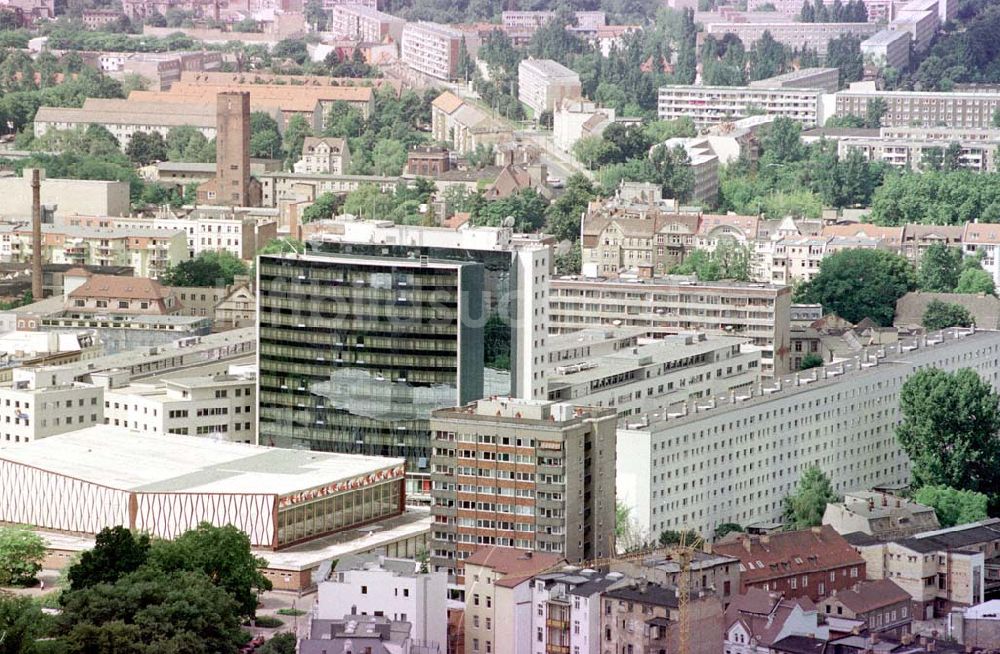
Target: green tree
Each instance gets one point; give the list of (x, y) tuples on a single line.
[(844, 54), (526, 207), (591, 151), (939, 315), (953, 507), (117, 552), (223, 555), (187, 143), (811, 360), (22, 625), (283, 245), (283, 643), (21, 554), (975, 280), (727, 528), (857, 284), (146, 148), (325, 206), (315, 14), (389, 158), (151, 610), (207, 269), (265, 139), (466, 66), (670, 537), (875, 110), (294, 49), (296, 132), (564, 215), (805, 507), (569, 262), (672, 169), (949, 431), (939, 268)]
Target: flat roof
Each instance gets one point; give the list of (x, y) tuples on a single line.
[(133, 461)]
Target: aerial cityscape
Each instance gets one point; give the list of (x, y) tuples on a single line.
[(499, 326)]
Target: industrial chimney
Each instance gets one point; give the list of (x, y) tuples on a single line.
[(37, 288)]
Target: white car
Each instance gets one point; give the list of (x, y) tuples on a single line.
[(554, 182)]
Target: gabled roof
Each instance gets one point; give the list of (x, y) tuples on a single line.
[(113, 287), (892, 235), (448, 102), (336, 144), (871, 595), (512, 564), (788, 553)]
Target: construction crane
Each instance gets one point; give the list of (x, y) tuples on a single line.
[(682, 552)]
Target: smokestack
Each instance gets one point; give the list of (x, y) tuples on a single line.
[(36, 235)]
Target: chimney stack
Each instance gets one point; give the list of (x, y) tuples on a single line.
[(37, 289)]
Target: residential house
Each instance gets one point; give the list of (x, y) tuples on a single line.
[(709, 571), (982, 240), (644, 617), (757, 619), (884, 606), (325, 155), (464, 126), (575, 118), (806, 563), (109, 295)]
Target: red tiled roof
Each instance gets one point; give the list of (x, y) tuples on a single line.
[(515, 565), (871, 595), (131, 288), (788, 553)]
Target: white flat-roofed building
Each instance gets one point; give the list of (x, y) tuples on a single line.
[(373, 584), (965, 110), (67, 196), (543, 83), (704, 165), (656, 375), (709, 105), (921, 24), (911, 154), (39, 403), (221, 406), (669, 306), (728, 459), (164, 485), (364, 23), (827, 79), (888, 48)]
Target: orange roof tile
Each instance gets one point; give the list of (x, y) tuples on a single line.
[(448, 102)]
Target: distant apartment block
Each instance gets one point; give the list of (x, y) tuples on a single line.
[(924, 108), (710, 105), (670, 306), (977, 156), (573, 119), (922, 19), (365, 23), (704, 163), (432, 49), (543, 83), (888, 49), (815, 36), (222, 406), (94, 19), (464, 125), (526, 474), (827, 79), (160, 69), (333, 4), (879, 11), (64, 196), (841, 417), (123, 118), (520, 26)]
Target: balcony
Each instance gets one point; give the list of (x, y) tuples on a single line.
[(557, 649), (562, 625)]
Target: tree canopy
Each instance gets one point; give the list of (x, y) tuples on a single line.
[(116, 552), (207, 269), (805, 507), (939, 268), (860, 283), (949, 431), (939, 315), (21, 554), (953, 507)]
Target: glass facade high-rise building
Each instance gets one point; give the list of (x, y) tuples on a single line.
[(356, 351)]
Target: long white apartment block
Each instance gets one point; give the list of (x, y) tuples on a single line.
[(965, 110), (654, 374), (735, 458), (431, 48), (710, 105), (815, 36), (355, 21)]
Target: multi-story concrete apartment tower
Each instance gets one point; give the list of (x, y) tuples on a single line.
[(355, 21), (431, 49), (355, 352), (672, 305), (542, 84), (735, 459), (536, 476), (232, 185), (709, 105)]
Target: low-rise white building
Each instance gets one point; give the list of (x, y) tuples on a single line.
[(222, 406), (324, 155), (46, 402), (573, 119), (888, 48), (376, 585)]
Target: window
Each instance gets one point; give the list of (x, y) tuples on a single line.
[(364, 590)]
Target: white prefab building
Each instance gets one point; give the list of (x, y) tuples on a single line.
[(375, 585), (165, 485), (220, 406), (45, 402)]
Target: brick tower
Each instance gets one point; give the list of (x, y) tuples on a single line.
[(232, 184)]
